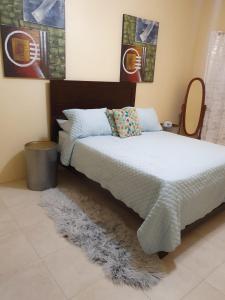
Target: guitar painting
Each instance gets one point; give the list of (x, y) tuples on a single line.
[(24, 52)]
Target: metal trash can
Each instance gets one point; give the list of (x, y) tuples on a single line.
[(41, 163)]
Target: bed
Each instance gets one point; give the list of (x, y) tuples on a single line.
[(171, 181)]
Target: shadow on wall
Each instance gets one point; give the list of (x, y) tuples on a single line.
[(14, 169)]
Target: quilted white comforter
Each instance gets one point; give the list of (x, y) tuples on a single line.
[(169, 180)]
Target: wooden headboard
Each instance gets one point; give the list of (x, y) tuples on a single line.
[(65, 94)]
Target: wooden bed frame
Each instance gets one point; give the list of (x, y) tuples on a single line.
[(65, 94), (93, 94)]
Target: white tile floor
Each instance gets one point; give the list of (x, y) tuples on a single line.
[(37, 264)]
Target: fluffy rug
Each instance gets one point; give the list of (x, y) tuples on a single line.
[(92, 219)]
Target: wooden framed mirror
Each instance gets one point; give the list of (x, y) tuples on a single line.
[(193, 109)]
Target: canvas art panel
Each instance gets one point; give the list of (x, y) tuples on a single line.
[(138, 50), (50, 41), (24, 52), (45, 12)]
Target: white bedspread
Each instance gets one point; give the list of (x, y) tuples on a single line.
[(169, 180), (63, 136)]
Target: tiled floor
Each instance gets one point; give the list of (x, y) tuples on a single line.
[(37, 264)]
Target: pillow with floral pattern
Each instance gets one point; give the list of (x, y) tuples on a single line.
[(127, 122), (110, 116)]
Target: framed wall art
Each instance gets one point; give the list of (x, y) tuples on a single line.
[(138, 50), (25, 52), (33, 38)]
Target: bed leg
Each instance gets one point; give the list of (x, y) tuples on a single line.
[(162, 254)]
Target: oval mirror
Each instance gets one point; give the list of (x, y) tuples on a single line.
[(194, 106)]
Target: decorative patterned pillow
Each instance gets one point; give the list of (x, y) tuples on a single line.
[(127, 122), (110, 116)]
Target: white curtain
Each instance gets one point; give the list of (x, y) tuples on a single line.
[(214, 123)]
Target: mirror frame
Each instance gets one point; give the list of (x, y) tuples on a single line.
[(202, 112)]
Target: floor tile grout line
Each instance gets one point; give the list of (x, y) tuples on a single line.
[(40, 258), (95, 282), (21, 269), (215, 288), (213, 269), (54, 279), (199, 285), (85, 289), (202, 280), (75, 295), (148, 296), (14, 219), (21, 230), (194, 287)]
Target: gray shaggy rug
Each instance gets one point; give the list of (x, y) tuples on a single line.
[(106, 235)]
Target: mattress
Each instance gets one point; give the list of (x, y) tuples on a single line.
[(169, 180)]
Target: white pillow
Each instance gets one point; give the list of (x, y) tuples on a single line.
[(148, 119), (88, 122), (64, 124)]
